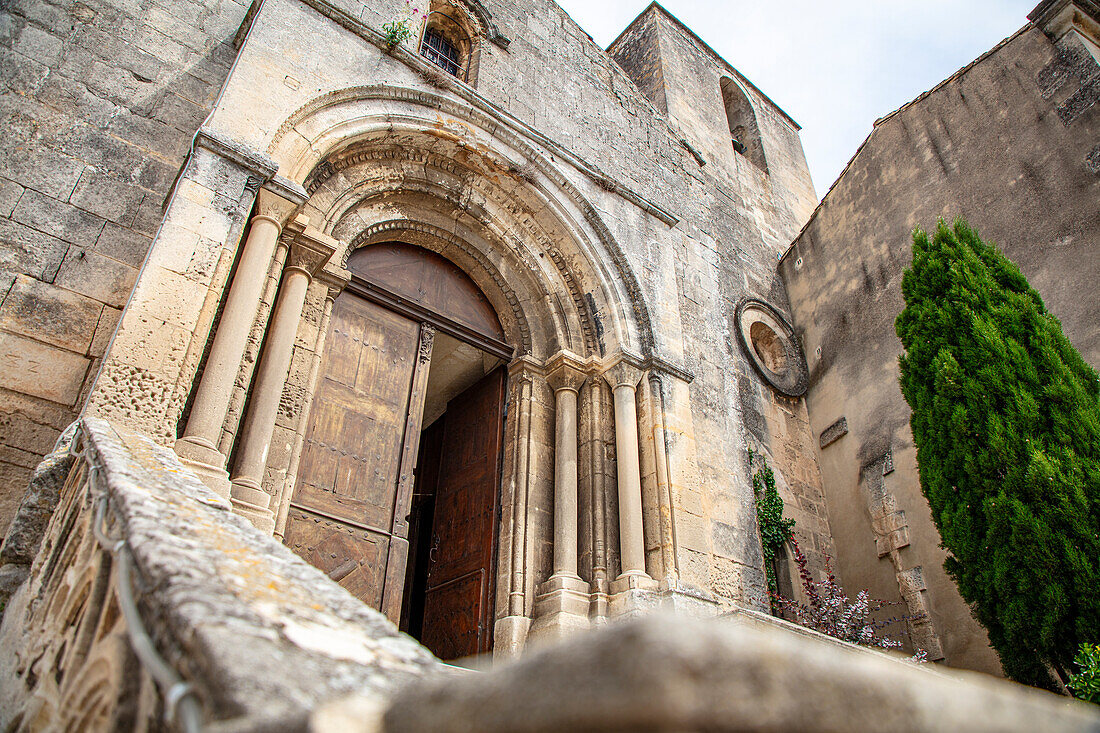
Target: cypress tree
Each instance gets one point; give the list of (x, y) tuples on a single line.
[(1006, 419)]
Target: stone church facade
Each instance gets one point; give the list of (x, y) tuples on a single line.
[(482, 325)]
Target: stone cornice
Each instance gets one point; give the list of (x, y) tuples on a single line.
[(239, 153), (1057, 17)]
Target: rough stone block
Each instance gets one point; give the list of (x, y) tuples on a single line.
[(37, 369), (23, 249), (104, 329), (42, 169), (179, 113), (21, 75), (834, 432), (10, 191), (170, 297), (676, 674), (58, 219), (106, 197), (122, 244), (89, 273), (149, 343), (37, 44), (48, 313)]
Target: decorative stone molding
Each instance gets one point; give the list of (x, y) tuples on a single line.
[(772, 346), (478, 111), (239, 153), (1056, 18)]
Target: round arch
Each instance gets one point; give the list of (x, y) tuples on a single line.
[(384, 155)]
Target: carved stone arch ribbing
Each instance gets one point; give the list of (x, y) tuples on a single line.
[(497, 128), (474, 181), (487, 269)]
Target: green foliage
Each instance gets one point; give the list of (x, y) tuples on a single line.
[(1086, 683), (1006, 419), (774, 529), (397, 31), (400, 30)]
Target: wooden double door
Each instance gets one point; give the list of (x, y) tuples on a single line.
[(362, 458)]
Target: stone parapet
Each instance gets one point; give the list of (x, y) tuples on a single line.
[(261, 637)]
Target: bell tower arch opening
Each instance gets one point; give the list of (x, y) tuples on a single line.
[(398, 495)]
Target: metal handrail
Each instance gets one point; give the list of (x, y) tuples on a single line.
[(180, 700)]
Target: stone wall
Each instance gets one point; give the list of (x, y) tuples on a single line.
[(1008, 143), (100, 100), (685, 242)]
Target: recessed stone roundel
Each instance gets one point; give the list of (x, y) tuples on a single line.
[(772, 347)]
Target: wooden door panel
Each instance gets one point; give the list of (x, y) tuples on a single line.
[(464, 528), (456, 629), (354, 558), (344, 516)]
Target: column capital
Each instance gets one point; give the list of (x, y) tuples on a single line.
[(310, 248), (526, 367), (336, 277), (623, 371), (271, 205), (565, 370)]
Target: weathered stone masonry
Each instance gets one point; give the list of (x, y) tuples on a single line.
[(99, 103)]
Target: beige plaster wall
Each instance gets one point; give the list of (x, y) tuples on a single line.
[(1010, 144)]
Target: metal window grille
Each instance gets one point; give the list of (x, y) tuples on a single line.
[(440, 51)]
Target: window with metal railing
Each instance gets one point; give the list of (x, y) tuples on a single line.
[(436, 48)]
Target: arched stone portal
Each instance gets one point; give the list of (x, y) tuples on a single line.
[(575, 538)]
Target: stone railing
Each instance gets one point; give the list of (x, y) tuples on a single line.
[(150, 606)]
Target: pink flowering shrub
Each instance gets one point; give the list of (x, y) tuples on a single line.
[(830, 611)]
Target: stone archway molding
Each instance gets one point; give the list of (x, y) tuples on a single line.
[(303, 153)]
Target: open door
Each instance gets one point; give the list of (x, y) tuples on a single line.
[(457, 620)]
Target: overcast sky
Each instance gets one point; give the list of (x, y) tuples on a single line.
[(835, 66)]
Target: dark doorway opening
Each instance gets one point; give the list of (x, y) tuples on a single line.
[(452, 523)]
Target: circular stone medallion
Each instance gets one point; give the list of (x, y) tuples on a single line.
[(772, 347)]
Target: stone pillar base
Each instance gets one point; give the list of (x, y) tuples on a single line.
[(561, 609), (598, 608), (207, 462), (260, 517), (632, 594), (509, 635), (251, 502), (687, 600)]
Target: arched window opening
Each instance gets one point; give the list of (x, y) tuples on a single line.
[(451, 39), (441, 52), (743, 130)]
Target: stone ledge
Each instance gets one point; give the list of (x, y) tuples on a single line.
[(676, 674)]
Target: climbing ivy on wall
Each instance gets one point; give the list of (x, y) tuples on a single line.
[(774, 529), (1006, 419)]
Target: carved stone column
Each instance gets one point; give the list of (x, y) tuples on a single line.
[(510, 631), (198, 448), (562, 604), (623, 378), (309, 251)]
